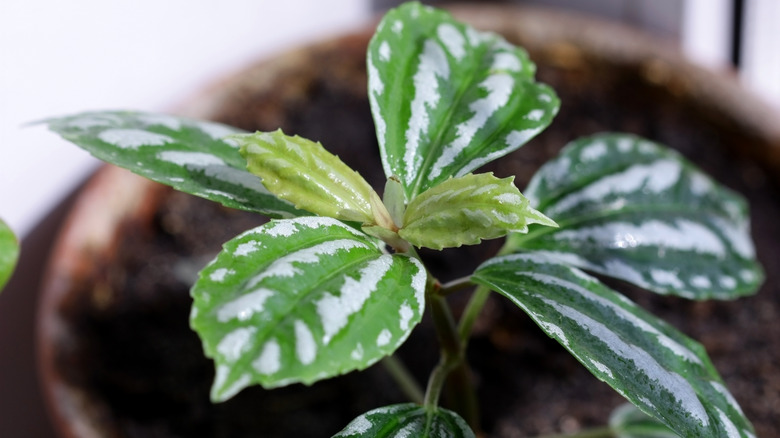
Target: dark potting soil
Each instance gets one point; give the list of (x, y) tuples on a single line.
[(138, 354)]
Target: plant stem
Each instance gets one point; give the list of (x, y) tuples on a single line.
[(451, 353), (599, 432), (452, 361), (454, 340), (465, 401), (466, 395), (436, 383)]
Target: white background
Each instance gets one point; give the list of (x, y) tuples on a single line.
[(60, 57)]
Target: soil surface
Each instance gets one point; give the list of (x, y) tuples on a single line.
[(139, 355)]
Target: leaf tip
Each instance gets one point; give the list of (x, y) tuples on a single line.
[(537, 217)]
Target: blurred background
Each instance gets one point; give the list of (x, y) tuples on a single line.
[(64, 57)]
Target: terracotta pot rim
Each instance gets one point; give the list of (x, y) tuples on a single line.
[(116, 195)]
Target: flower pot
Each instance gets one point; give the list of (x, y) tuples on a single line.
[(119, 359)]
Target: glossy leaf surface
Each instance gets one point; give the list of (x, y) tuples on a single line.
[(446, 98), (189, 155), (303, 172), (465, 210), (300, 300), (407, 420), (9, 253), (631, 209), (629, 422), (653, 365)]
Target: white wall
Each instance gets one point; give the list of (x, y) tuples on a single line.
[(761, 49), (60, 57)]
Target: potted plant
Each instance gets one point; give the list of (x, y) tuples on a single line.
[(620, 201)]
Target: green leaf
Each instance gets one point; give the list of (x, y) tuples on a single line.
[(304, 173), (629, 422), (653, 365), (466, 210), (394, 199), (447, 99), (189, 155), (300, 300), (9, 253), (407, 420), (631, 209)]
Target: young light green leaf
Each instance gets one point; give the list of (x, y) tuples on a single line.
[(407, 420), (304, 173), (627, 421), (634, 210), (9, 253), (446, 98), (657, 368), (467, 209), (300, 300), (189, 155), (395, 200)]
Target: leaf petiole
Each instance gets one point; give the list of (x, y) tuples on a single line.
[(471, 313), (404, 378), (477, 301), (455, 285)]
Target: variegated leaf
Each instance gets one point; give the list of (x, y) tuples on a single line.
[(631, 209), (9, 253), (467, 209), (446, 98), (300, 300), (189, 155), (653, 365), (627, 421), (407, 420), (303, 172)]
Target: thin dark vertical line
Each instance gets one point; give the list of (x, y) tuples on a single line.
[(737, 30)]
